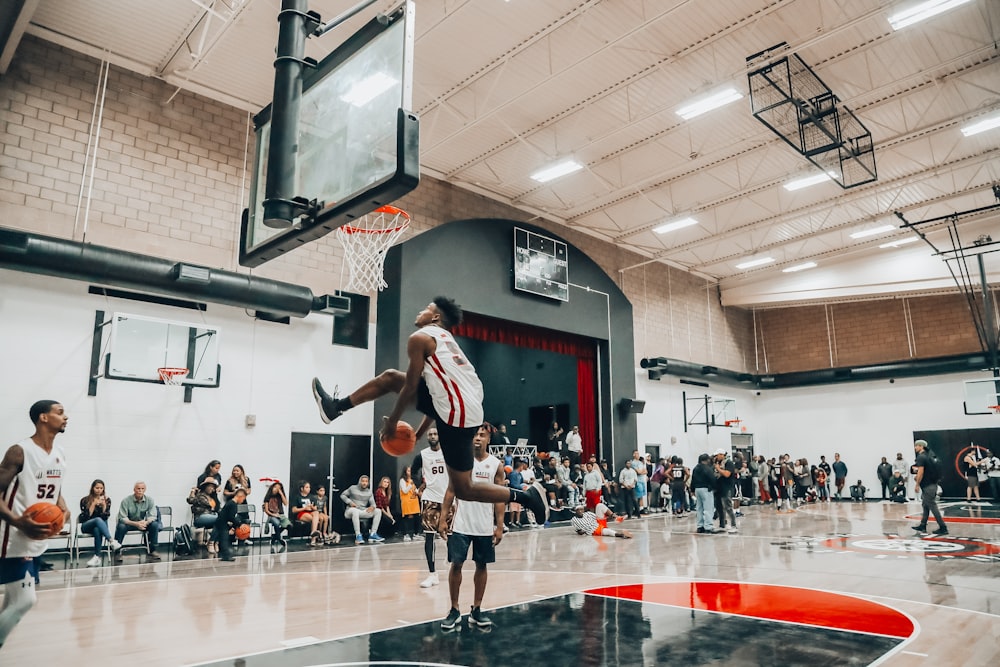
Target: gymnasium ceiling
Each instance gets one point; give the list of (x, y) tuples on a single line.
[(506, 87)]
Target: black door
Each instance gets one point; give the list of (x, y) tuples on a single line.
[(334, 461), (540, 418)]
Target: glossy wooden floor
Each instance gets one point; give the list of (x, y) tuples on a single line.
[(203, 611)]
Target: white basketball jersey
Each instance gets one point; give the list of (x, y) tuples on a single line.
[(435, 473), (40, 480), (455, 389), (475, 518)]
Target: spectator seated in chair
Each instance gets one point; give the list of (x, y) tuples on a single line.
[(95, 510), (274, 505), (858, 492), (205, 508), (359, 502), (303, 508), (138, 512), (329, 536), (235, 513)]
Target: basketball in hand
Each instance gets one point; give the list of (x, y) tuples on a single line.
[(242, 532), (401, 442), (47, 513)]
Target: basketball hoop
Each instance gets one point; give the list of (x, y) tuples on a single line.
[(733, 423), (366, 242), (172, 376)]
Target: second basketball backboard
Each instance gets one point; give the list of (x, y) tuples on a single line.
[(980, 395)]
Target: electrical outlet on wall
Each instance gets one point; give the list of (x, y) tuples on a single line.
[(251, 421)]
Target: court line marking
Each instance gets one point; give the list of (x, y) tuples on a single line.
[(922, 655)]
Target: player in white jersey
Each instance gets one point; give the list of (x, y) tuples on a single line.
[(476, 524), (31, 471), (446, 389), (433, 485)]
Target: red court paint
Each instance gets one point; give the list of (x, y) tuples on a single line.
[(779, 603)]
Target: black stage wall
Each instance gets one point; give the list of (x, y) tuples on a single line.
[(950, 447)]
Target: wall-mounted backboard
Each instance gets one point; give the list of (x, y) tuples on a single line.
[(141, 345), (980, 395)]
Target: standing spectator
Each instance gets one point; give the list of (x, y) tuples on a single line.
[(657, 478), (95, 510), (788, 479), (774, 482), (993, 475), (233, 515), (303, 509), (211, 470), (821, 486), (726, 471), (383, 498), (205, 510), (593, 483), (703, 484), (970, 466), (359, 502), (884, 474), (574, 445), (328, 535), (138, 512), (237, 480), (409, 504), (829, 473), (499, 437), (753, 465), (900, 466), (803, 480), (840, 475), (516, 481), (928, 475), (642, 481), (274, 505), (678, 476), (554, 437), (627, 480)]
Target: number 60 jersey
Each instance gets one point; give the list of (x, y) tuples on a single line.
[(40, 481)]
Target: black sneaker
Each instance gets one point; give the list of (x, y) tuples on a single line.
[(327, 404), (532, 501), (941, 531), (920, 529), (450, 621), (701, 530), (478, 619)]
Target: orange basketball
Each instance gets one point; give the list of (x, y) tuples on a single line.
[(401, 442), (47, 513), (243, 532), (508, 469)]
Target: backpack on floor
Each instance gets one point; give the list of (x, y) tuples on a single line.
[(184, 540)]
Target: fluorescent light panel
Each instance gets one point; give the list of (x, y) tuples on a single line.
[(805, 182), (755, 262), (982, 125), (708, 103), (800, 267), (556, 170), (676, 224), (896, 244), (921, 11), (368, 89), (873, 231)]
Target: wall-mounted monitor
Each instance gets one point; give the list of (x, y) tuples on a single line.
[(540, 265)]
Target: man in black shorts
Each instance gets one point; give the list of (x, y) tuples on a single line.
[(446, 389)]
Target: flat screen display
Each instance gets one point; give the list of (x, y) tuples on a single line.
[(540, 265)]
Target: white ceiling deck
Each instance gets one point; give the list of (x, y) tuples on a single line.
[(504, 88)]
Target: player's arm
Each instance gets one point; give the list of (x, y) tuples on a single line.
[(498, 508), (449, 500), (425, 424), (10, 467), (418, 348), (920, 475), (61, 504)]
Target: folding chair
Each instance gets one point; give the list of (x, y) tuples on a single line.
[(78, 534)]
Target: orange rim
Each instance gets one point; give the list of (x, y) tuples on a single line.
[(388, 210)]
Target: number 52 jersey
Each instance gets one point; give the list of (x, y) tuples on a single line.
[(40, 481)]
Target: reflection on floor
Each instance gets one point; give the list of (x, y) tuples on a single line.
[(600, 630)]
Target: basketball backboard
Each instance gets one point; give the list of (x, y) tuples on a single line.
[(980, 395), (358, 143), (140, 345)]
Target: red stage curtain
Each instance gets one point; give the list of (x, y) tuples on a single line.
[(493, 330)]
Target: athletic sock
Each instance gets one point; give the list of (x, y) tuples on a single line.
[(344, 404), (429, 550)]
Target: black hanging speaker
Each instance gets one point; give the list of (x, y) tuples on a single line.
[(631, 406)]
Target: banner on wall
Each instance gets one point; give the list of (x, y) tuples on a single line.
[(950, 447)]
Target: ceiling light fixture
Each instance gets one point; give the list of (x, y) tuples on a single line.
[(708, 103), (368, 89), (556, 170), (881, 229), (920, 11), (676, 224), (755, 262), (805, 182), (800, 267), (896, 244), (982, 125)]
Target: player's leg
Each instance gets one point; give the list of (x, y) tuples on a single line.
[(331, 407), (430, 513), (458, 549), (18, 599), (483, 553)]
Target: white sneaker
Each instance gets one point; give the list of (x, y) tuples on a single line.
[(95, 561), (431, 580), (731, 529), (115, 545)]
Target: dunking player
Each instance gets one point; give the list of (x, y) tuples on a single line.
[(446, 389), (433, 486), (32, 471), (479, 525)]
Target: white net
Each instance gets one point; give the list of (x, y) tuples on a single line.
[(366, 241), (172, 376)]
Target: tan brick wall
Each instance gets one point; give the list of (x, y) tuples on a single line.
[(792, 339)]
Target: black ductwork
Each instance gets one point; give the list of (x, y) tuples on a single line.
[(62, 258), (659, 366)]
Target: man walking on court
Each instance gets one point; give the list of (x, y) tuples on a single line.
[(446, 389), (31, 471), (433, 486), (928, 475), (479, 525)]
